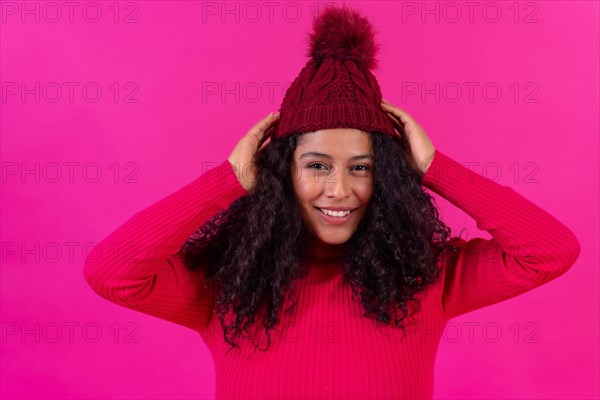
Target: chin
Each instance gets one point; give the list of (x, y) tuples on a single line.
[(334, 239)]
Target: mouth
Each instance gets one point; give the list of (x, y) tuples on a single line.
[(335, 217)]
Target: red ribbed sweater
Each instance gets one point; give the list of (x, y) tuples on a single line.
[(326, 348)]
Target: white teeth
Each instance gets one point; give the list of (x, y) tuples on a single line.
[(335, 213)]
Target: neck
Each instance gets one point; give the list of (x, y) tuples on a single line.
[(320, 251)]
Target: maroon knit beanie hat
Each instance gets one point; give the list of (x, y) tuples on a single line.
[(336, 88)]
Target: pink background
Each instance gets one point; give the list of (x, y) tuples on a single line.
[(166, 123)]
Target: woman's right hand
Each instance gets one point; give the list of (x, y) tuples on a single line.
[(244, 155)]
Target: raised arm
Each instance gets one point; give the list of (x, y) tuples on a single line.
[(136, 266), (529, 247)]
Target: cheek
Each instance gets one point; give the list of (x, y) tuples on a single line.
[(364, 190), (306, 188)]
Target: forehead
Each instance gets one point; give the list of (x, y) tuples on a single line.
[(338, 141)]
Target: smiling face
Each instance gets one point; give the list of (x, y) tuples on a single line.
[(332, 169)]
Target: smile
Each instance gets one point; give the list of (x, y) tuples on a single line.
[(335, 217), (337, 214)]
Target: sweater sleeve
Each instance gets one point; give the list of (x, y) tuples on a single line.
[(529, 247), (137, 265)]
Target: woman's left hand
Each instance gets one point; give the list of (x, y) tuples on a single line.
[(421, 147)]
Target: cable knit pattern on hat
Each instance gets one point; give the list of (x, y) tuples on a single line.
[(336, 89)]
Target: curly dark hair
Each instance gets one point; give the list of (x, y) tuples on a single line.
[(250, 252)]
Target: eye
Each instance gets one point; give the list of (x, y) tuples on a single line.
[(314, 164), (360, 167)]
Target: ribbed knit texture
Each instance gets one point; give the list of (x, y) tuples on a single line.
[(326, 348), (333, 94)]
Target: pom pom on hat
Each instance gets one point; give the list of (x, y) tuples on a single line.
[(343, 34), (336, 88)]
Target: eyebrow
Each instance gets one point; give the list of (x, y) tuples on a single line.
[(323, 155)]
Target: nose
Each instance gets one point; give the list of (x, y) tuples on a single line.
[(337, 185)]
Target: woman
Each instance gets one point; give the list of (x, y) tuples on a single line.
[(316, 240)]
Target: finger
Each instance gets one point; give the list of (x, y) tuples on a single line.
[(274, 121), (263, 126), (397, 112), (397, 126), (266, 137), (263, 148), (394, 118), (267, 122)]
